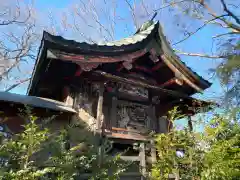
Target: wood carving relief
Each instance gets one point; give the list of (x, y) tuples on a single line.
[(86, 98), (126, 88), (133, 117)]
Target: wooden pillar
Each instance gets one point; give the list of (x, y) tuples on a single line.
[(151, 113), (163, 124), (153, 152), (190, 126), (154, 118), (142, 156), (113, 116), (100, 107), (100, 123)]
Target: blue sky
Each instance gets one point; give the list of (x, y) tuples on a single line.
[(201, 42)]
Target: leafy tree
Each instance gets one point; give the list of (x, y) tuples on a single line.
[(211, 154), (38, 153)]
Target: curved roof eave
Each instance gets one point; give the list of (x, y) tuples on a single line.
[(125, 45), (180, 68)]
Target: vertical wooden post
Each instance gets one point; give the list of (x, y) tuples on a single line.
[(100, 107), (99, 124), (113, 116), (190, 126), (153, 152), (142, 156), (151, 113), (163, 124), (154, 119)]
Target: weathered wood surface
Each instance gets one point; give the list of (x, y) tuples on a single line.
[(126, 136), (130, 158), (113, 115), (100, 107), (139, 83), (153, 152), (142, 156)]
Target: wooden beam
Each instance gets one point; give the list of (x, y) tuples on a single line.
[(158, 65), (91, 59), (138, 83), (172, 81), (130, 158), (129, 97), (142, 157), (124, 130), (185, 76), (143, 69), (153, 152), (135, 137), (167, 83)]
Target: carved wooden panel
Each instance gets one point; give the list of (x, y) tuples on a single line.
[(86, 99), (132, 116), (139, 91)]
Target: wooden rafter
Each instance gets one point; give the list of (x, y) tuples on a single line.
[(172, 81), (158, 65), (138, 83), (143, 69), (188, 79)]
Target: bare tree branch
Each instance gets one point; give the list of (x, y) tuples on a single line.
[(170, 4), (224, 34), (17, 84), (200, 55), (229, 12), (234, 27), (15, 18), (198, 29), (24, 47), (19, 37), (133, 14)]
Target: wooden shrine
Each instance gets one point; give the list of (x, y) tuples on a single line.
[(122, 89)]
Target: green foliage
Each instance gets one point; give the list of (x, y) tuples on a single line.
[(213, 154), (16, 153), (38, 153), (229, 71)]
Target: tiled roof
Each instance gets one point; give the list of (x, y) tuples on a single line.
[(129, 44)]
